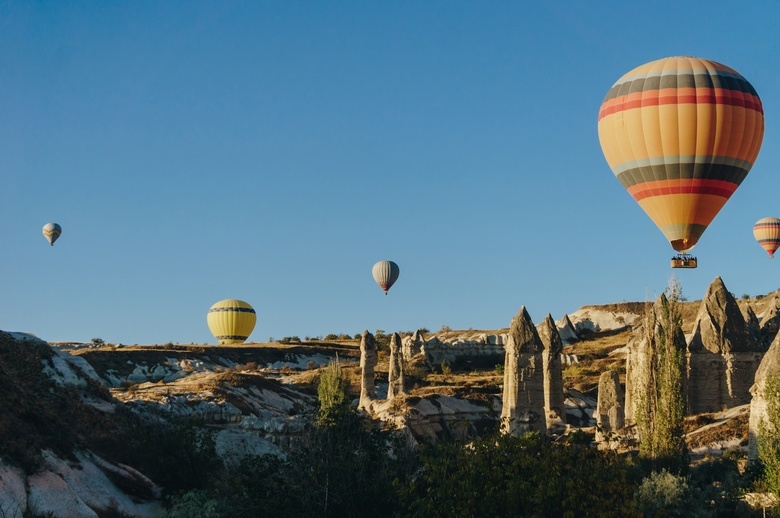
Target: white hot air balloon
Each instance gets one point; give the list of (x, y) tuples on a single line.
[(385, 274), (51, 231)]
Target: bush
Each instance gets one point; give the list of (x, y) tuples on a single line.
[(517, 476), (662, 494), (332, 394)]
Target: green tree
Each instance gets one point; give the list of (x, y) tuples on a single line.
[(332, 394), (769, 435), (518, 476), (660, 408)]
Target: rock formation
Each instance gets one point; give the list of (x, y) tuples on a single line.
[(368, 359), (523, 403), (412, 345), (770, 317), (609, 410), (723, 354), (636, 363), (481, 348), (395, 375), (554, 409), (566, 330), (770, 366)]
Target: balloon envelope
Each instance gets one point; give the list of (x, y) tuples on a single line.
[(231, 321), (51, 231), (385, 274), (767, 233), (681, 134)]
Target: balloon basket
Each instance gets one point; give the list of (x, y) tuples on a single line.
[(684, 261)]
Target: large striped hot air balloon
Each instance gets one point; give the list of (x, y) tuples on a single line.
[(681, 134), (51, 231), (231, 321), (767, 233), (385, 274)]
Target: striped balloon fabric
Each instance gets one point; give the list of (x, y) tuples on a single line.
[(385, 274), (767, 233), (231, 321), (681, 134)]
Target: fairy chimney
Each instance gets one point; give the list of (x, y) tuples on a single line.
[(368, 359), (523, 402), (395, 375)]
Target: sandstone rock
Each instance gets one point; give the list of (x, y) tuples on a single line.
[(566, 330), (523, 402), (412, 345), (769, 367), (395, 375), (13, 494), (368, 359), (610, 416), (719, 326), (723, 354), (636, 360), (769, 319), (553, 373)]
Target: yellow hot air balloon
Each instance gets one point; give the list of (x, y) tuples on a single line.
[(767, 233), (681, 134), (231, 321)]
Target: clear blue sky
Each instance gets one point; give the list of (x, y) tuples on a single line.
[(274, 151)]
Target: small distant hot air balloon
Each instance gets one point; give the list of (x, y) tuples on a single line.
[(231, 321), (680, 134), (51, 231), (385, 274), (767, 233)]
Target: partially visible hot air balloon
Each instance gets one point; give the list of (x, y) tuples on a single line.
[(767, 233), (680, 134), (51, 232), (385, 274), (231, 321)]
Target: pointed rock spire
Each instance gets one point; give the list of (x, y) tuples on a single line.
[(567, 331), (523, 402), (395, 375), (554, 408), (720, 326), (368, 359)]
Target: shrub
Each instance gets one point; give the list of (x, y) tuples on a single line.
[(662, 494), (517, 476), (332, 394)]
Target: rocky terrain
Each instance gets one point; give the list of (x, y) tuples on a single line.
[(70, 413)]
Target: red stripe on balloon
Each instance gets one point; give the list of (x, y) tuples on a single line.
[(682, 186)]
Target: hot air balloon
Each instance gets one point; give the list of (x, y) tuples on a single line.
[(231, 321), (680, 134), (51, 231), (767, 233), (385, 274)]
